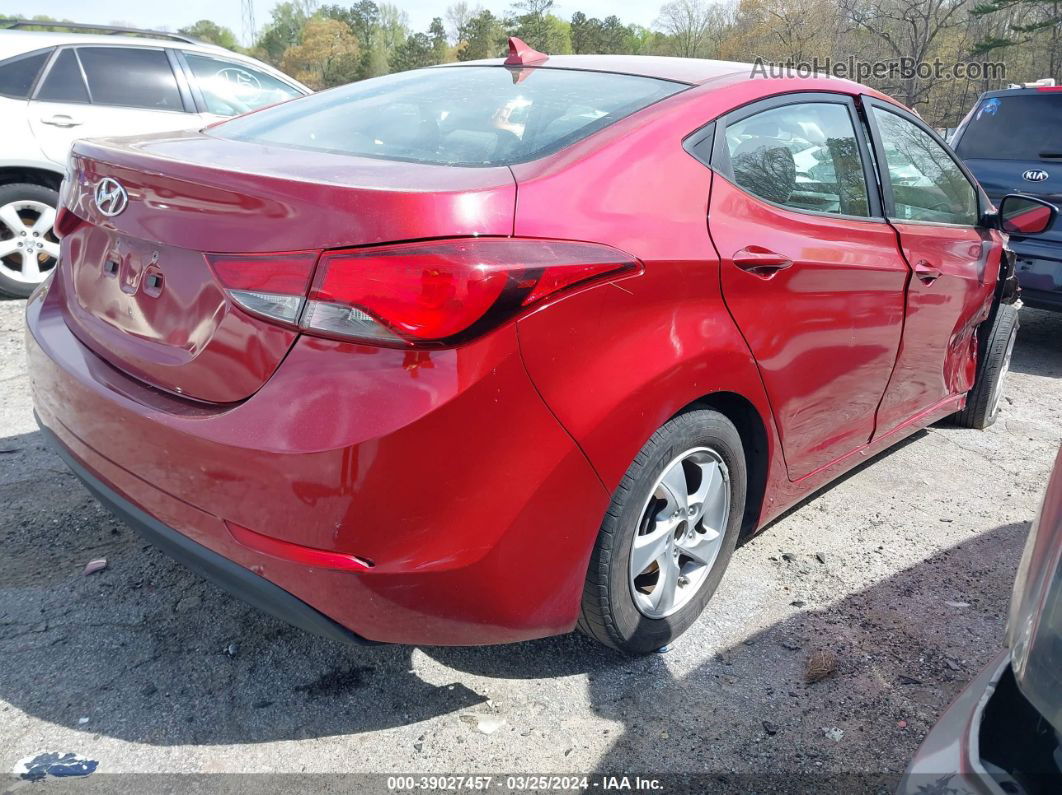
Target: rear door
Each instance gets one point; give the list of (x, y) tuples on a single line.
[(95, 91), (810, 270), (935, 208)]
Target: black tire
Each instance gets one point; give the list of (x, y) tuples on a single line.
[(609, 612), (997, 340), (23, 191)]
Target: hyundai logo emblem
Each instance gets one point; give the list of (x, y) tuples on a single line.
[(111, 197), (1035, 175)]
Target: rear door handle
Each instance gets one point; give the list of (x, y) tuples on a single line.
[(60, 120), (926, 273), (761, 262)]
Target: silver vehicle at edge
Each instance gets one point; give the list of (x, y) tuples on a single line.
[(1003, 734)]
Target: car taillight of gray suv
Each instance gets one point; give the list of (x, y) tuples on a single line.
[(1012, 141)]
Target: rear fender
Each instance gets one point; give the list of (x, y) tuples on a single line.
[(612, 389), (616, 361)]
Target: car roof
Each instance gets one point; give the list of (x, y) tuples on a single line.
[(1029, 91), (14, 42), (684, 70), (17, 42)]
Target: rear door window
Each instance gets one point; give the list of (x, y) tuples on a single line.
[(804, 156), (64, 82), (458, 115), (18, 75), (1022, 127), (135, 77), (230, 88)]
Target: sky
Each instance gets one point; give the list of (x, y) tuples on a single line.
[(167, 14)]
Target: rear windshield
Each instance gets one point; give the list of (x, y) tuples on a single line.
[(1022, 127), (467, 115)]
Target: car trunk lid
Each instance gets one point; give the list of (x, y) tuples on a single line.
[(139, 288)]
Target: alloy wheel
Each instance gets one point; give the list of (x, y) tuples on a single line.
[(29, 248), (680, 532)]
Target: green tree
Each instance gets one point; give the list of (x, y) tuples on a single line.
[(416, 51), (482, 36), (439, 44), (326, 56), (206, 30), (284, 29), (592, 35), (381, 29), (641, 40), (363, 19), (534, 22)]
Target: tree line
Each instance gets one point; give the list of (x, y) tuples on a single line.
[(325, 45)]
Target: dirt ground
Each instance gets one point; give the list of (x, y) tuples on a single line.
[(902, 570)]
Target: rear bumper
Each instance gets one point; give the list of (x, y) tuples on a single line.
[(1039, 269), (445, 470), (240, 582)]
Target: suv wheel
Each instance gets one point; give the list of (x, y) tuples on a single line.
[(668, 535), (29, 249)]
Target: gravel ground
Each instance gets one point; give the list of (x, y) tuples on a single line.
[(902, 570)]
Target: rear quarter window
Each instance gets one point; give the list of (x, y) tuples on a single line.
[(18, 74), (466, 115), (230, 88)]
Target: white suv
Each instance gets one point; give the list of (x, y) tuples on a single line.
[(58, 87)]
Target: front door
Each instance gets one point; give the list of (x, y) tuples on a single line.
[(810, 270), (935, 209)]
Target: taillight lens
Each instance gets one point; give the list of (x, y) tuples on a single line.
[(412, 294), (445, 291), (271, 285), (66, 221)]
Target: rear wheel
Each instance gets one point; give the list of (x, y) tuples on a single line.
[(982, 402), (29, 248), (668, 535)]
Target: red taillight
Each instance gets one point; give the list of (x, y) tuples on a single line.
[(412, 294), (66, 221), (273, 285), (443, 292)]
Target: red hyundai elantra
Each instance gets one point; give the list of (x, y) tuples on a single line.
[(485, 352)]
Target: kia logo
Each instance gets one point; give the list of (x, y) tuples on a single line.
[(111, 197), (1035, 175)]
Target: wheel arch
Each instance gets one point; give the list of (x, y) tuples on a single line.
[(612, 391), (49, 178), (755, 443)]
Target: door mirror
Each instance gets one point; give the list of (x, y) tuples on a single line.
[(1025, 215)]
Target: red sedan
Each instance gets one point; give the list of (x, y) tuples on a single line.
[(485, 352)]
